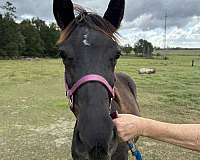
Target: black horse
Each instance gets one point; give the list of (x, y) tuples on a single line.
[(88, 45)]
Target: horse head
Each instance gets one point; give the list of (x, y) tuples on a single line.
[(88, 46)]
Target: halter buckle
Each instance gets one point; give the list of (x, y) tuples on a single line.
[(110, 106)]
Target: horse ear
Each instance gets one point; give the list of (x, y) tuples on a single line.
[(63, 12), (115, 12)]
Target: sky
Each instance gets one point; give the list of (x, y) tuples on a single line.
[(143, 19)]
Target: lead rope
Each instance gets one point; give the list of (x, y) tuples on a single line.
[(131, 144), (133, 148)]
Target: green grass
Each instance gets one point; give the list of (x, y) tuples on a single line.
[(35, 122)]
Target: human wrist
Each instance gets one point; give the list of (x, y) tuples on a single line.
[(144, 126), (152, 128), (140, 124)]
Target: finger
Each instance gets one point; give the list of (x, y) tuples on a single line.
[(118, 122), (124, 138), (115, 121), (121, 115), (119, 125)]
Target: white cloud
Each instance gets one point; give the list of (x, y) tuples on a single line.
[(143, 18), (26, 16), (186, 36)]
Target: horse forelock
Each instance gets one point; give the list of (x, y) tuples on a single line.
[(91, 20)]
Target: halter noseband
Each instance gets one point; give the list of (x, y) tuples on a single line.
[(85, 79)]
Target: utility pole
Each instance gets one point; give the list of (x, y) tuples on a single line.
[(165, 36)]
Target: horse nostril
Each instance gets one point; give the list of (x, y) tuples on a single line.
[(113, 137), (114, 133)]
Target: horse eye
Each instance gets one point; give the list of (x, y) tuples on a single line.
[(62, 54), (117, 56)]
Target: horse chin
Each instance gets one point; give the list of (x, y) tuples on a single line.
[(93, 157), (99, 154), (99, 157)]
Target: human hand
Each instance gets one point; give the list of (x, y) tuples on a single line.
[(128, 126)]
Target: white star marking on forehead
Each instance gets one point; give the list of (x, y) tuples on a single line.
[(85, 41)]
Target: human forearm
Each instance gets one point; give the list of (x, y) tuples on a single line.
[(185, 135)]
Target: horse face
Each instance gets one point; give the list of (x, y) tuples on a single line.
[(96, 54), (89, 51)]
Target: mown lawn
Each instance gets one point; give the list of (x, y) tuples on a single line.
[(36, 124)]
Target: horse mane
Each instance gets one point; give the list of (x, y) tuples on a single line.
[(91, 20)]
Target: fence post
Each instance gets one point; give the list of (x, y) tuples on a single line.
[(193, 63)]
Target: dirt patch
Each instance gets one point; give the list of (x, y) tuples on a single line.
[(62, 129)]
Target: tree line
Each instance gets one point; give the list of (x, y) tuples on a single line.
[(34, 38), (142, 48), (29, 38)]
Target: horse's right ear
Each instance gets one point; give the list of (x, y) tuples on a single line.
[(63, 12), (115, 12)]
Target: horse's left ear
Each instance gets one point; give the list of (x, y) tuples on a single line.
[(115, 12)]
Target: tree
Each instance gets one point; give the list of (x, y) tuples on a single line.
[(127, 49), (49, 35), (11, 41), (144, 48), (10, 10), (34, 46), (53, 37), (29, 38)]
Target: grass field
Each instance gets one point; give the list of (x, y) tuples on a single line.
[(36, 124)]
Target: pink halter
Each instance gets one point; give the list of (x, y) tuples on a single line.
[(84, 80)]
